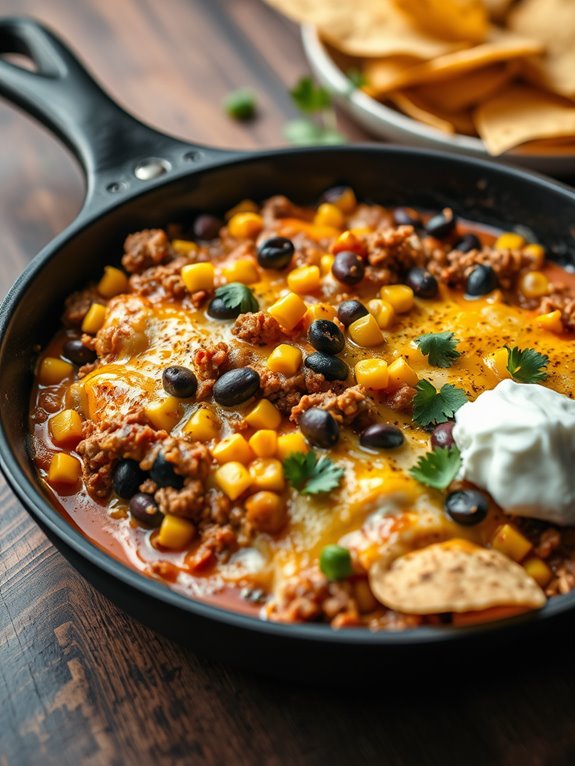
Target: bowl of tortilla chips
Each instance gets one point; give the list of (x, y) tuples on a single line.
[(481, 77)]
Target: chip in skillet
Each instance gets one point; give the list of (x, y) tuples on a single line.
[(450, 19)]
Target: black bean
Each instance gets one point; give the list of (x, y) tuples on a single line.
[(127, 477), (326, 336), (78, 353), (207, 227), (275, 253), (349, 311), (144, 508), (236, 386), (331, 367), (179, 381), (467, 506), (164, 474), (348, 267), (403, 216), (319, 427), (467, 243), (423, 284), (442, 224), (442, 435), (482, 280), (217, 309), (381, 436)]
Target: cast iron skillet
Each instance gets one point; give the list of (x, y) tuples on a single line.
[(138, 178)]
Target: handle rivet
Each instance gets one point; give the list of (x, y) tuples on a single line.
[(116, 186), (151, 168)]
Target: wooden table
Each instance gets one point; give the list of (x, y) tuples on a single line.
[(80, 682)]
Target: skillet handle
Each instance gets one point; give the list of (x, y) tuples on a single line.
[(114, 149)]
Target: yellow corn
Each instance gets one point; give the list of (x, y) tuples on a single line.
[(534, 284), (243, 270), (325, 264), (233, 479), (292, 442), (53, 370), (266, 511), (348, 241), (319, 311), (264, 415), (538, 570), (329, 215), (288, 310), (346, 201), (305, 279), (401, 374), (113, 282), (372, 373), (203, 426), (511, 542), (285, 359), (64, 469), (551, 321), (76, 397), (497, 363), (264, 443), (366, 332), (184, 246), (537, 255), (509, 241), (94, 319), (198, 276), (233, 448), (66, 428), (383, 312), (164, 413), (175, 532), (400, 297), (267, 473), (245, 225), (244, 206)]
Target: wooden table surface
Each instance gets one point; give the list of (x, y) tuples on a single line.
[(80, 682)]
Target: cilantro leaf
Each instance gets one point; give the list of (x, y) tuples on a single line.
[(439, 348), (526, 365), (236, 295), (310, 475), (433, 406), (309, 97), (240, 104), (437, 468)]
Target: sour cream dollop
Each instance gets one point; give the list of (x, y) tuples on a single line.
[(517, 442)]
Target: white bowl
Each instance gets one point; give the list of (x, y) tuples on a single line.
[(390, 124)]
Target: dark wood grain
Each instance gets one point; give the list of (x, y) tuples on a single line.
[(80, 682)]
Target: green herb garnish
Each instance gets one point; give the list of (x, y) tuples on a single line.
[(356, 78), (526, 365), (439, 348), (319, 126), (237, 295), (433, 406), (437, 468), (310, 475), (240, 104), (309, 97)]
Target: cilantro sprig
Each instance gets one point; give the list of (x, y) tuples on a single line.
[(437, 468), (433, 406), (319, 125), (311, 475), (237, 295), (440, 348), (526, 365)]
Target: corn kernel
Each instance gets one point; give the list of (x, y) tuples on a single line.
[(288, 310), (184, 246), (536, 253), (175, 532), (497, 363), (383, 312), (348, 242), (245, 225), (243, 270), (325, 264), (509, 241), (66, 428), (511, 542), (400, 297), (329, 215), (264, 443), (164, 413), (345, 200), (264, 415), (534, 284), (233, 479), (64, 469), (366, 332), (233, 448), (198, 276), (94, 319), (267, 473), (203, 426), (319, 311), (305, 279), (538, 570), (244, 206), (292, 442), (53, 370), (113, 282), (266, 511), (401, 374), (285, 359), (551, 321), (372, 373)]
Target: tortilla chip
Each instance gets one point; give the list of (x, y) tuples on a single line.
[(520, 114), (409, 103), (449, 19), (455, 576), (497, 9), (366, 28), (468, 89)]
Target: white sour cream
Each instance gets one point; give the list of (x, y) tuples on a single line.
[(517, 442)]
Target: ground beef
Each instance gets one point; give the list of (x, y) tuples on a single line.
[(210, 359), (259, 328), (281, 207), (369, 216), (189, 459), (346, 408), (562, 302), (160, 283), (126, 320), (311, 597), (187, 501), (402, 399), (286, 391), (77, 305), (144, 249), (453, 267), (396, 249), (218, 542)]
